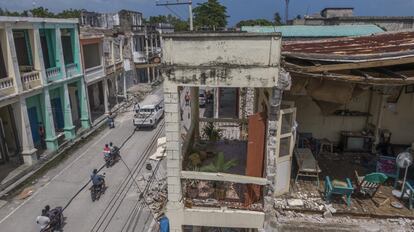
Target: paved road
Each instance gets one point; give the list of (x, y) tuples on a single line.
[(58, 186)]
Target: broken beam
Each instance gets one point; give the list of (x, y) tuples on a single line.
[(223, 177)]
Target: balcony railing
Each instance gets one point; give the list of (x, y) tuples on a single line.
[(231, 129), (31, 79), (6, 86), (52, 73), (93, 69), (71, 70)]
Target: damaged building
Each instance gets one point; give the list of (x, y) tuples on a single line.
[(345, 16), (253, 142), (248, 149), (119, 51)]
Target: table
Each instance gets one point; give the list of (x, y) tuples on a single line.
[(307, 164)]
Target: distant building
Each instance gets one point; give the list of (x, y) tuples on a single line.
[(345, 16)]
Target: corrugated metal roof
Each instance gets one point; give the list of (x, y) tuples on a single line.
[(317, 31), (375, 46)]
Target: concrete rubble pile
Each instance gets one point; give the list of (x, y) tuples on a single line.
[(156, 197), (140, 91), (291, 218), (285, 214)]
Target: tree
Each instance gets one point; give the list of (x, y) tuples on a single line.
[(277, 19), (41, 12), (210, 15), (298, 16), (71, 13), (6, 12), (254, 22)]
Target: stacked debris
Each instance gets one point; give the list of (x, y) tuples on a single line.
[(140, 91)]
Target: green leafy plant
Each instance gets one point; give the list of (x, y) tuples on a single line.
[(211, 132), (220, 164)]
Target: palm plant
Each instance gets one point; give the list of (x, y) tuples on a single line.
[(211, 132), (219, 165)]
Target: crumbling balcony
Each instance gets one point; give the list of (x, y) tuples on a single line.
[(119, 65), (53, 73), (6, 86), (109, 66), (30, 79), (93, 61), (72, 70)]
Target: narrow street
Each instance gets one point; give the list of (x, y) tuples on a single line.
[(116, 210)]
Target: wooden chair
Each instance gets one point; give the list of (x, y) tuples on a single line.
[(408, 191), (331, 189), (368, 185)]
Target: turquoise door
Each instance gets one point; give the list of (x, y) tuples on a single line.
[(34, 124), (57, 113)]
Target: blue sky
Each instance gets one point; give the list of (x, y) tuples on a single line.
[(237, 9)]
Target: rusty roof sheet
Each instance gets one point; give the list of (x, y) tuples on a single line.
[(379, 46)]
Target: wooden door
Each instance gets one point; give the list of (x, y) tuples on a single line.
[(255, 154), (285, 142)]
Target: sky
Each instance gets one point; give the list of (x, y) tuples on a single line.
[(236, 9)]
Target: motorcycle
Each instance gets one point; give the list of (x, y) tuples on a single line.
[(98, 190), (56, 220), (112, 158)]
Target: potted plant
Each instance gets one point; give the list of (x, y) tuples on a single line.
[(219, 165)]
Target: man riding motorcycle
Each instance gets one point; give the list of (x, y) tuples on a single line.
[(50, 219), (97, 180), (111, 154)]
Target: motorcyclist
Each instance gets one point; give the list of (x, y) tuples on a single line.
[(110, 120), (43, 220), (53, 215), (97, 180), (107, 151), (114, 150)]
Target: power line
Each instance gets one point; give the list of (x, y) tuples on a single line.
[(177, 3)]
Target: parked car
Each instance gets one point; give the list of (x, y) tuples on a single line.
[(150, 112)]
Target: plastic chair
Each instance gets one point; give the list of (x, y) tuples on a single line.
[(331, 189)]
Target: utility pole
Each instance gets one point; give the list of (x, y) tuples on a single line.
[(180, 2), (287, 11), (190, 13)]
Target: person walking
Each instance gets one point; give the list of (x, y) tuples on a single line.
[(42, 135), (136, 107)]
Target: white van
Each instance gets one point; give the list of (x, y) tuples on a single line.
[(150, 112)]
